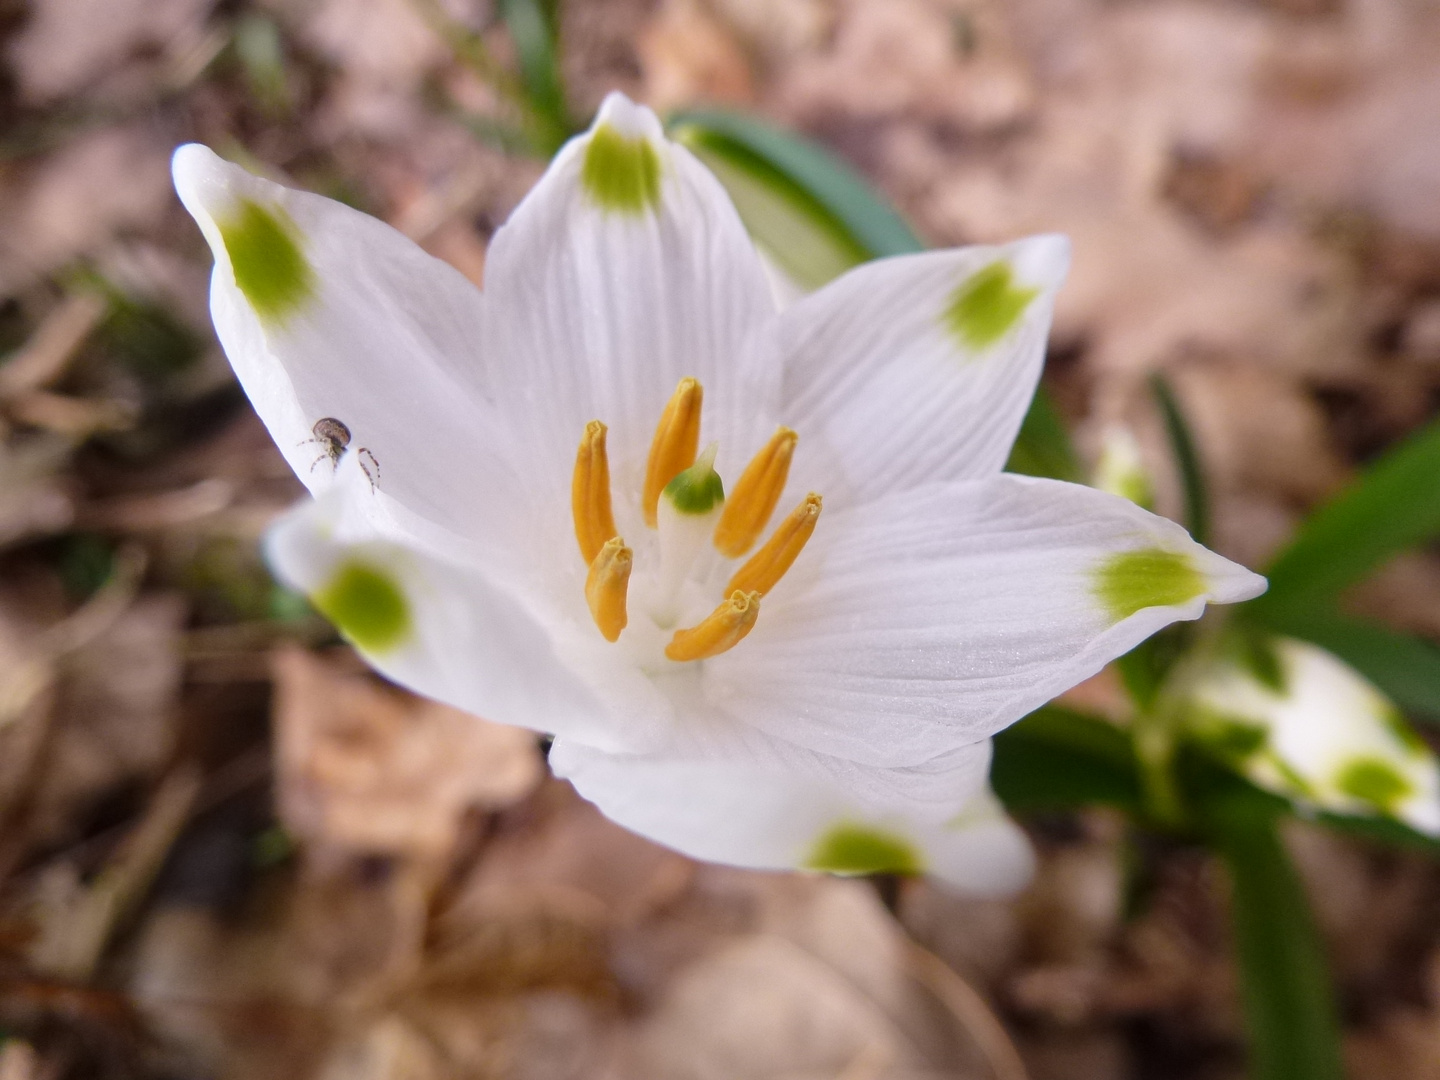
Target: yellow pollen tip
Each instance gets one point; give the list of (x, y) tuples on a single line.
[(590, 493), (768, 565), (754, 496), (606, 586), (677, 437), (718, 632)]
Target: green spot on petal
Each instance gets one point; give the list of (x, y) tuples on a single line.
[(861, 849), (698, 489), (1150, 577), (620, 173), (367, 605), (987, 305), (1373, 781), (270, 269)]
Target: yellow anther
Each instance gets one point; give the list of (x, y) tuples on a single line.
[(606, 586), (677, 437), (590, 493), (718, 632), (753, 498), (768, 565)]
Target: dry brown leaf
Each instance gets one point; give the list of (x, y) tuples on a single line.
[(18, 1061), (77, 922), (69, 204), (369, 769), (114, 717), (915, 61), (67, 45), (689, 57), (53, 345)]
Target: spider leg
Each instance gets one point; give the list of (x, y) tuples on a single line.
[(362, 453)]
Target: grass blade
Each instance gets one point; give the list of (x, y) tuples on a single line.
[(1289, 1002), (1187, 459), (1395, 505), (1043, 447), (833, 189)]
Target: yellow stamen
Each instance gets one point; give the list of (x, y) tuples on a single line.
[(590, 493), (606, 586), (721, 630), (768, 565), (754, 496), (677, 437)]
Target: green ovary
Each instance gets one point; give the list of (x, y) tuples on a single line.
[(621, 174), (1374, 781), (265, 256), (366, 604), (1150, 577), (987, 305), (696, 490), (860, 849)]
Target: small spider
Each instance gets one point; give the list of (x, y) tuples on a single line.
[(334, 437)]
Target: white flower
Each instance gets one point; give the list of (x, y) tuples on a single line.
[(1299, 721), (1121, 468), (467, 549)]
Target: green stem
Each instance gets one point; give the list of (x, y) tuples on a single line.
[(1159, 727)]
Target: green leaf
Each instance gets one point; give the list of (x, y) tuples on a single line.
[(1289, 1002), (1143, 669), (1395, 505), (1059, 759), (805, 208), (1043, 447), (534, 29), (1187, 459), (1381, 830), (837, 198), (1405, 668)]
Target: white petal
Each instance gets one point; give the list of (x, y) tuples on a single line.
[(1319, 735), (326, 312), (887, 386), (938, 616), (601, 303), (434, 625), (761, 816)]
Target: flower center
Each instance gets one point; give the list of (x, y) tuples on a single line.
[(683, 499)]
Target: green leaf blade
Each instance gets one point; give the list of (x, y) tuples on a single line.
[(1290, 1011), (1059, 759), (1187, 459), (1395, 505)]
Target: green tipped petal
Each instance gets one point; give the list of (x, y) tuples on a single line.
[(265, 255), (621, 174), (861, 849), (1150, 577), (367, 605), (987, 306), (1374, 781)]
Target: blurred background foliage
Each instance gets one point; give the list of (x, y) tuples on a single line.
[(226, 850)]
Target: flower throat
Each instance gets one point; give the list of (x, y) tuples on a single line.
[(683, 499)]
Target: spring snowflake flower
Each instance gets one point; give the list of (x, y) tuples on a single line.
[(520, 508), (1301, 722)]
